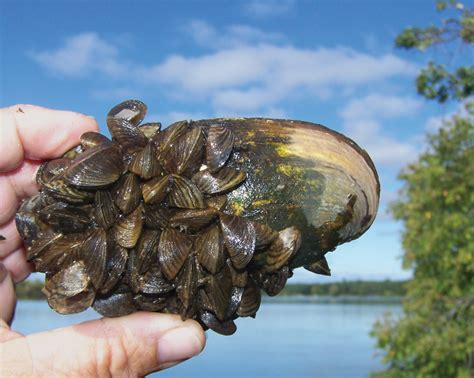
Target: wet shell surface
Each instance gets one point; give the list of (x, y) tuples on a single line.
[(195, 219)]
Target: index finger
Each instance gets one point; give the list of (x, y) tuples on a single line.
[(38, 133)]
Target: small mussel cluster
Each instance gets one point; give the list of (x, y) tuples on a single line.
[(157, 220)]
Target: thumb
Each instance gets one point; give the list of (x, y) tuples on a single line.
[(133, 345)]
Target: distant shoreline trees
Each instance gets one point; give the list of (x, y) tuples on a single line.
[(32, 289)]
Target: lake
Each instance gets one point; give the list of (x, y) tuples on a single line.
[(296, 338)]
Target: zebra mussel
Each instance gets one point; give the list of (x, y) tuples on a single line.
[(195, 219)]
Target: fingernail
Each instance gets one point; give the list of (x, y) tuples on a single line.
[(178, 344), (3, 272)]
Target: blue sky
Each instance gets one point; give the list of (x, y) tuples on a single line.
[(328, 62)]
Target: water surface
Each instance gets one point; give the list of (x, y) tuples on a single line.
[(304, 339)]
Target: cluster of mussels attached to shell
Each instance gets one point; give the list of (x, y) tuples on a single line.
[(195, 219)]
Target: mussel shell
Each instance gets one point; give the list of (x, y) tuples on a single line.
[(105, 211), (283, 249), (128, 228), (130, 138), (226, 328), (133, 276), (70, 305), (143, 221), (239, 276), (219, 145), (173, 250), (150, 129), (118, 303), (209, 247), (149, 302), (192, 220), (117, 257), (239, 239), (145, 163), (251, 299), (147, 250), (42, 246), (62, 249), (304, 175), (156, 217), (94, 252), (127, 193), (91, 139), (235, 302), (73, 152), (27, 222), (219, 182), (186, 154), (187, 287), (65, 218), (153, 282), (70, 281), (132, 111), (97, 167), (165, 140), (50, 177), (319, 267), (155, 190), (52, 169), (265, 235), (185, 194), (219, 290), (272, 283), (150, 282), (217, 202)]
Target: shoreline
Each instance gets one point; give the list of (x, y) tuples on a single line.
[(311, 299)]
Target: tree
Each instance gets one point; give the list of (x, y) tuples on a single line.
[(435, 335), (436, 81)]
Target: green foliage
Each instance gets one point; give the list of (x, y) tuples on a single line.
[(30, 290), (436, 81), (353, 288), (435, 336)]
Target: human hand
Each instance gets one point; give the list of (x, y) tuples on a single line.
[(132, 345)]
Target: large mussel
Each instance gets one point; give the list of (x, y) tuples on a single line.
[(195, 219)]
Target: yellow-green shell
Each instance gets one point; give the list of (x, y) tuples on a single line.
[(304, 175)]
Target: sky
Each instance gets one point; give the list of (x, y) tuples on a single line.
[(327, 62)]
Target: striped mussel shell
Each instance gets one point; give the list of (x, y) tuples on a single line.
[(196, 219)]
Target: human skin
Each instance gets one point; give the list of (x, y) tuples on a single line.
[(132, 345)]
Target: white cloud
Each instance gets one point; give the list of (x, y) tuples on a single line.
[(381, 106), (246, 78), (119, 93), (267, 112), (384, 150), (244, 100), (167, 119), (81, 55), (280, 66), (265, 8), (208, 36), (362, 122), (434, 123)]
